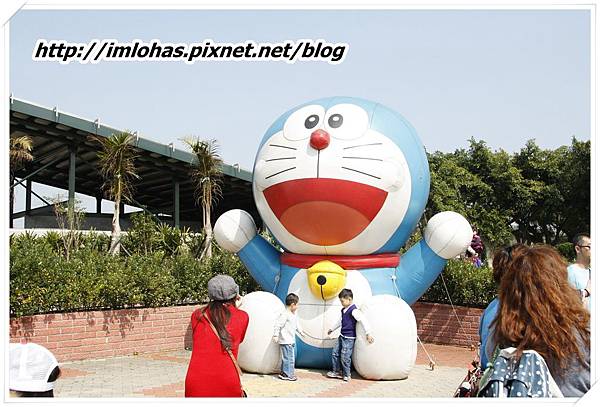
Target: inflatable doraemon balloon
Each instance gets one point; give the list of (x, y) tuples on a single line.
[(341, 184)]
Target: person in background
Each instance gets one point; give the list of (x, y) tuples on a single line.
[(580, 274), (212, 372), (500, 262), (33, 370), (539, 311)]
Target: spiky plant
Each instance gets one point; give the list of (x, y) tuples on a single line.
[(117, 168), (20, 153), (207, 177)]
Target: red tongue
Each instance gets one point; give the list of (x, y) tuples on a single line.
[(324, 211)]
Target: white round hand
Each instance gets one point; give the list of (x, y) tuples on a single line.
[(448, 234), (234, 229)]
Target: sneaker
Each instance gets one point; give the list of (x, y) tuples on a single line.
[(346, 379), (334, 375), (284, 377)]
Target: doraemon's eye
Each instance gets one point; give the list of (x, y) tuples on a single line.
[(346, 121), (311, 121), (335, 120), (303, 122)]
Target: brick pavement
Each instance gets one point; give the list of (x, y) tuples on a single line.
[(163, 374)]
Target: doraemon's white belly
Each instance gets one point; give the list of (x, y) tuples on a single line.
[(317, 316)]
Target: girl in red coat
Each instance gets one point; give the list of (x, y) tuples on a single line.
[(211, 372)]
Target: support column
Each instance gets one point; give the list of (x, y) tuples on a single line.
[(99, 204), (176, 202), (121, 209), (72, 159), (28, 195)]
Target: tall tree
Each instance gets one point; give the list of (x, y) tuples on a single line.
[(117, 167), (207, 176), (20, 153), (561, 180)]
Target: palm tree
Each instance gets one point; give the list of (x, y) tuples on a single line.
[(207, 176), (20, 153), (118, 170)]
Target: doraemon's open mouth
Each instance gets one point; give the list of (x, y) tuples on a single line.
[(324, 211)]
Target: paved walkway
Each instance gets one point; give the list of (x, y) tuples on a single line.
[(163, 374)]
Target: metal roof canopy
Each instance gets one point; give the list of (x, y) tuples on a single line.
[(61, 140)]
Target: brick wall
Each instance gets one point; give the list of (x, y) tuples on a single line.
[(437, 323), (101, 334)]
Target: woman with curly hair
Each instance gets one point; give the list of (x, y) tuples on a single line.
[(500, 262), (538, 310)]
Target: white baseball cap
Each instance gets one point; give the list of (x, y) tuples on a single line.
[(30, 367)]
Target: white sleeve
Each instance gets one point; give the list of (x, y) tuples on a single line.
[(279, 323), (360, 317)]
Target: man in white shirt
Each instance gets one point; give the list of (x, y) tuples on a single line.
[(580, 272)]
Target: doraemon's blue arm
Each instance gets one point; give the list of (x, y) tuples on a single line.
[(262, 261), (447, 235), (418, 269), (235, 231)]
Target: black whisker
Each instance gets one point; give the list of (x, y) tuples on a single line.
[(360, 172), (277, 173), (362, 145), (365, 158), (281, 158), (277, 145)]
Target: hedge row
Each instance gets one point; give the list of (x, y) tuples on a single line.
[(42, 280), (467, 285)]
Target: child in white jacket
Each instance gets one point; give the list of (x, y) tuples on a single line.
[(284, 334)]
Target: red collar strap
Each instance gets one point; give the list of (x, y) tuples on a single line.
[(305, 261)]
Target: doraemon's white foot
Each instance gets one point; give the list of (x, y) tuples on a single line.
[(448, 234), (258, 353), (234, 229), (394, 328)]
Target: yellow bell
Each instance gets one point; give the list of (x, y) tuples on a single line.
[(326, 279)]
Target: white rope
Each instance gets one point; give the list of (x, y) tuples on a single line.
[(431, 361), (454, 310)]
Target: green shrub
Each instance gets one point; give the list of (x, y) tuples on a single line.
[(468, 286), (42, 280), (567, 250)]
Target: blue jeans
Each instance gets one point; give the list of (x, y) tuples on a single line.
[(288, 359), (342, 354)]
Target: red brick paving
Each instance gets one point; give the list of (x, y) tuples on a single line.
[(344, 389), (168, 390), (72, 372), (159, 356), (444, 355)]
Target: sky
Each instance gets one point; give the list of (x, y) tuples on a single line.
[(503, 76)]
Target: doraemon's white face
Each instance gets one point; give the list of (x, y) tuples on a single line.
[(329, 184)]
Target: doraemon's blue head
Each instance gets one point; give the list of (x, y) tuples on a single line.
[(341, 176)]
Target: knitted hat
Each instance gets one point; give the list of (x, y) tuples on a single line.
[(222, 288), (30, 367)]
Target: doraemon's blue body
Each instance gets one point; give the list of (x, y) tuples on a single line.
[(341, 183)]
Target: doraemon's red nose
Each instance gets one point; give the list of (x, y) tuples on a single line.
[(319, 139)]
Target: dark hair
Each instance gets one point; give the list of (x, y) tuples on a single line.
[(539, 310), (578, 239), (219, 315), (502, 259), (291, 299), (55, 374), (346, 293)]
